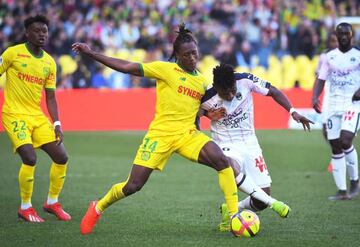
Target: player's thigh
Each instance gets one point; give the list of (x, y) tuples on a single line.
[(43, 131), (190, 145), (154, 151), (56, 152), (255, 167), (235, 154), (350, 121), (333, 127), (18, 128)]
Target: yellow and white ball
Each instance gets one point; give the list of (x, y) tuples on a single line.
[(245, 224)]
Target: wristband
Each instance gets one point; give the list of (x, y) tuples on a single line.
[(57, 123), (292, 110)]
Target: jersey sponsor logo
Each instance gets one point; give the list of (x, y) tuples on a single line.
[(23, 55), (179, 70), (189, 92), (233, 120), (30, 78)]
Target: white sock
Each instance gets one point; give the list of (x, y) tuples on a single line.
[(52, 200), (339, 170), (247, 185), (25, 205), (352, 163)]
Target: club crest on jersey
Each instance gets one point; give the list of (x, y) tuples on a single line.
[(238, 96), (46, 71), (21, 135), (145, 155)]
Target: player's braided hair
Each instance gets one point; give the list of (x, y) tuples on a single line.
[(224, 76), (38, 18), (184, 36)]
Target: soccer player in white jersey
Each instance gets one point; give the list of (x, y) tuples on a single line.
[(331, 43), (232, 128), (341, 69)]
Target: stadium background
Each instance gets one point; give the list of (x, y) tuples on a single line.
[(278, 41), (282, 46)]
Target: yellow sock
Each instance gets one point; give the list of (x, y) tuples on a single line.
[(228, 187), (26, 183), (57, 178), (114, 194)]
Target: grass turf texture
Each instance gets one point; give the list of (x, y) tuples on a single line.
[(179, 206)]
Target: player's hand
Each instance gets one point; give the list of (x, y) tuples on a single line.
[(216, 114), (356, 96), (81, 48), (316, 105), (303, 120), (59, 135)]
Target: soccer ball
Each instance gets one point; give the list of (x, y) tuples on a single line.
[(245, 224)]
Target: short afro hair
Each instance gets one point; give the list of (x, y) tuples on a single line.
[(38, 18), (224, 76)]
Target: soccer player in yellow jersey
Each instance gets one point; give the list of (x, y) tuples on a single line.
[(29, 69), (179, 88)]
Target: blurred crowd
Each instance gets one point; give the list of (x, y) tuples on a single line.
[(244, 33)]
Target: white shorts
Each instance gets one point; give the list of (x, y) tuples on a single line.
[(250, 161), (347, 121)]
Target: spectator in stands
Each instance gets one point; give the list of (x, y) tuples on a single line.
[(147, 24), (98, 80)]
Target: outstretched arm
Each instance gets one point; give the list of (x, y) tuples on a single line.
[(318, 88), (123, 66), (282, 100)]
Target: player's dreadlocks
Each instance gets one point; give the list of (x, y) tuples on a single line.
[(184, 36), (37, 18), (224, 76)]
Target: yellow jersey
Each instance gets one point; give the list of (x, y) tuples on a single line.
[(178, 97), (26, 77)]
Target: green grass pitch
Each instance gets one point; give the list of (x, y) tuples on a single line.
[(179, 206)]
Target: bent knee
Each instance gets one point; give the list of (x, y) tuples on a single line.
[(29, 160), (132, 187), (259, 205), (223, 162), (346, 144), (62, 159)]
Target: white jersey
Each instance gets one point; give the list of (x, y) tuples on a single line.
[(238, 125), (342, 72)]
